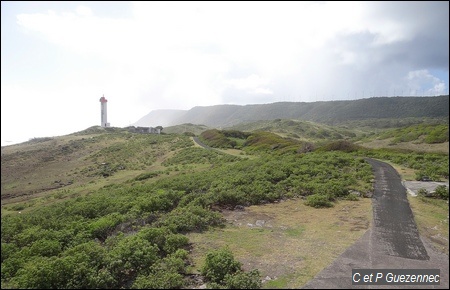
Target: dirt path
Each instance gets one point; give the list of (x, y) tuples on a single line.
[(393, 242)]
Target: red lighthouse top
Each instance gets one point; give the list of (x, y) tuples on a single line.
[(103, 100)]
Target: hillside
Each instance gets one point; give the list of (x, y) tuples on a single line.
[(190, 129), (330, 112), (419, 137), (114, 209), (302, 130)]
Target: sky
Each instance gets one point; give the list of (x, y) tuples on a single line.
[(59, 58)]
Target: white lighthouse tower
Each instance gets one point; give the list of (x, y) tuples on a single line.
[(103, 102)]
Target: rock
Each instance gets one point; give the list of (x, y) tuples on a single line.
[(267, 279), (239, 207), (368, 194), (260, 223), (355, 192)]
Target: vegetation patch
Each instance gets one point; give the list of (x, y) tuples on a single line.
[(426, 133), (293, 244), (344, 146), (431, 216), (266, 141), (433, 165), (223, 271), (142, 210), (196, 155)]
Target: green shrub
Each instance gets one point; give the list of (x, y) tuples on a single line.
[(146, 175), (352, 197), (190, 218), (318, 200), (45, 248), (217, 139), (132, 254), (218, 264), (159, 280), (175, 242), (342, 145), (18, 207), (104, 226), (423, 192), (242, 280), (419, 176), (167, 273), (441, 192)]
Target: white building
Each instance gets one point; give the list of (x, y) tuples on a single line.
[(103, 102)]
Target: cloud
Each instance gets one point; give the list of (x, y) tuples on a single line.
[(176, 55), (421, 82), (196, 48), (252, 84), (84, 11)]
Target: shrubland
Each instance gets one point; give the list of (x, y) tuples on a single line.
[(132, 233)]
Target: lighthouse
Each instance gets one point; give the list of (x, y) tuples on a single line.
[(103, 102)]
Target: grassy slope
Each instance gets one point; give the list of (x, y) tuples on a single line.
[(301, 130), (35, 173), (186, 128)]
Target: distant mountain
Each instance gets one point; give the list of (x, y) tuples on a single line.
[(329, 112), (160, 118)]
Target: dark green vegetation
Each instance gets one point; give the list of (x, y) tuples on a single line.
[(419, 133), (223, 272), (433, 165), (105, 208), (440, 192)]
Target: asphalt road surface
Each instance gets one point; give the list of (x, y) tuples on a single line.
[(200, 143), (393, 241)]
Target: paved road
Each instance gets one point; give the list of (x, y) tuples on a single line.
[(392, 242), (200, 143)]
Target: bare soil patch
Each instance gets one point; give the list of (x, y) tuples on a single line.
[(288, 241)]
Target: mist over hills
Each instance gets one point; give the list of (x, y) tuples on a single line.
[(326, 112)]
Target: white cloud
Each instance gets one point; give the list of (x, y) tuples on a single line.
[(176, 55), (84, 11), (421, 82), (252, 84)]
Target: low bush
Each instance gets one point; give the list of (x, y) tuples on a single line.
[(218, 264), (318, 200), (223, 272), (244, 280), (441, 192)]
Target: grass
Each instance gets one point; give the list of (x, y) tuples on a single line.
[(405, 172), (29, 181), (431, 216), (421, 147), (294, 243)]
